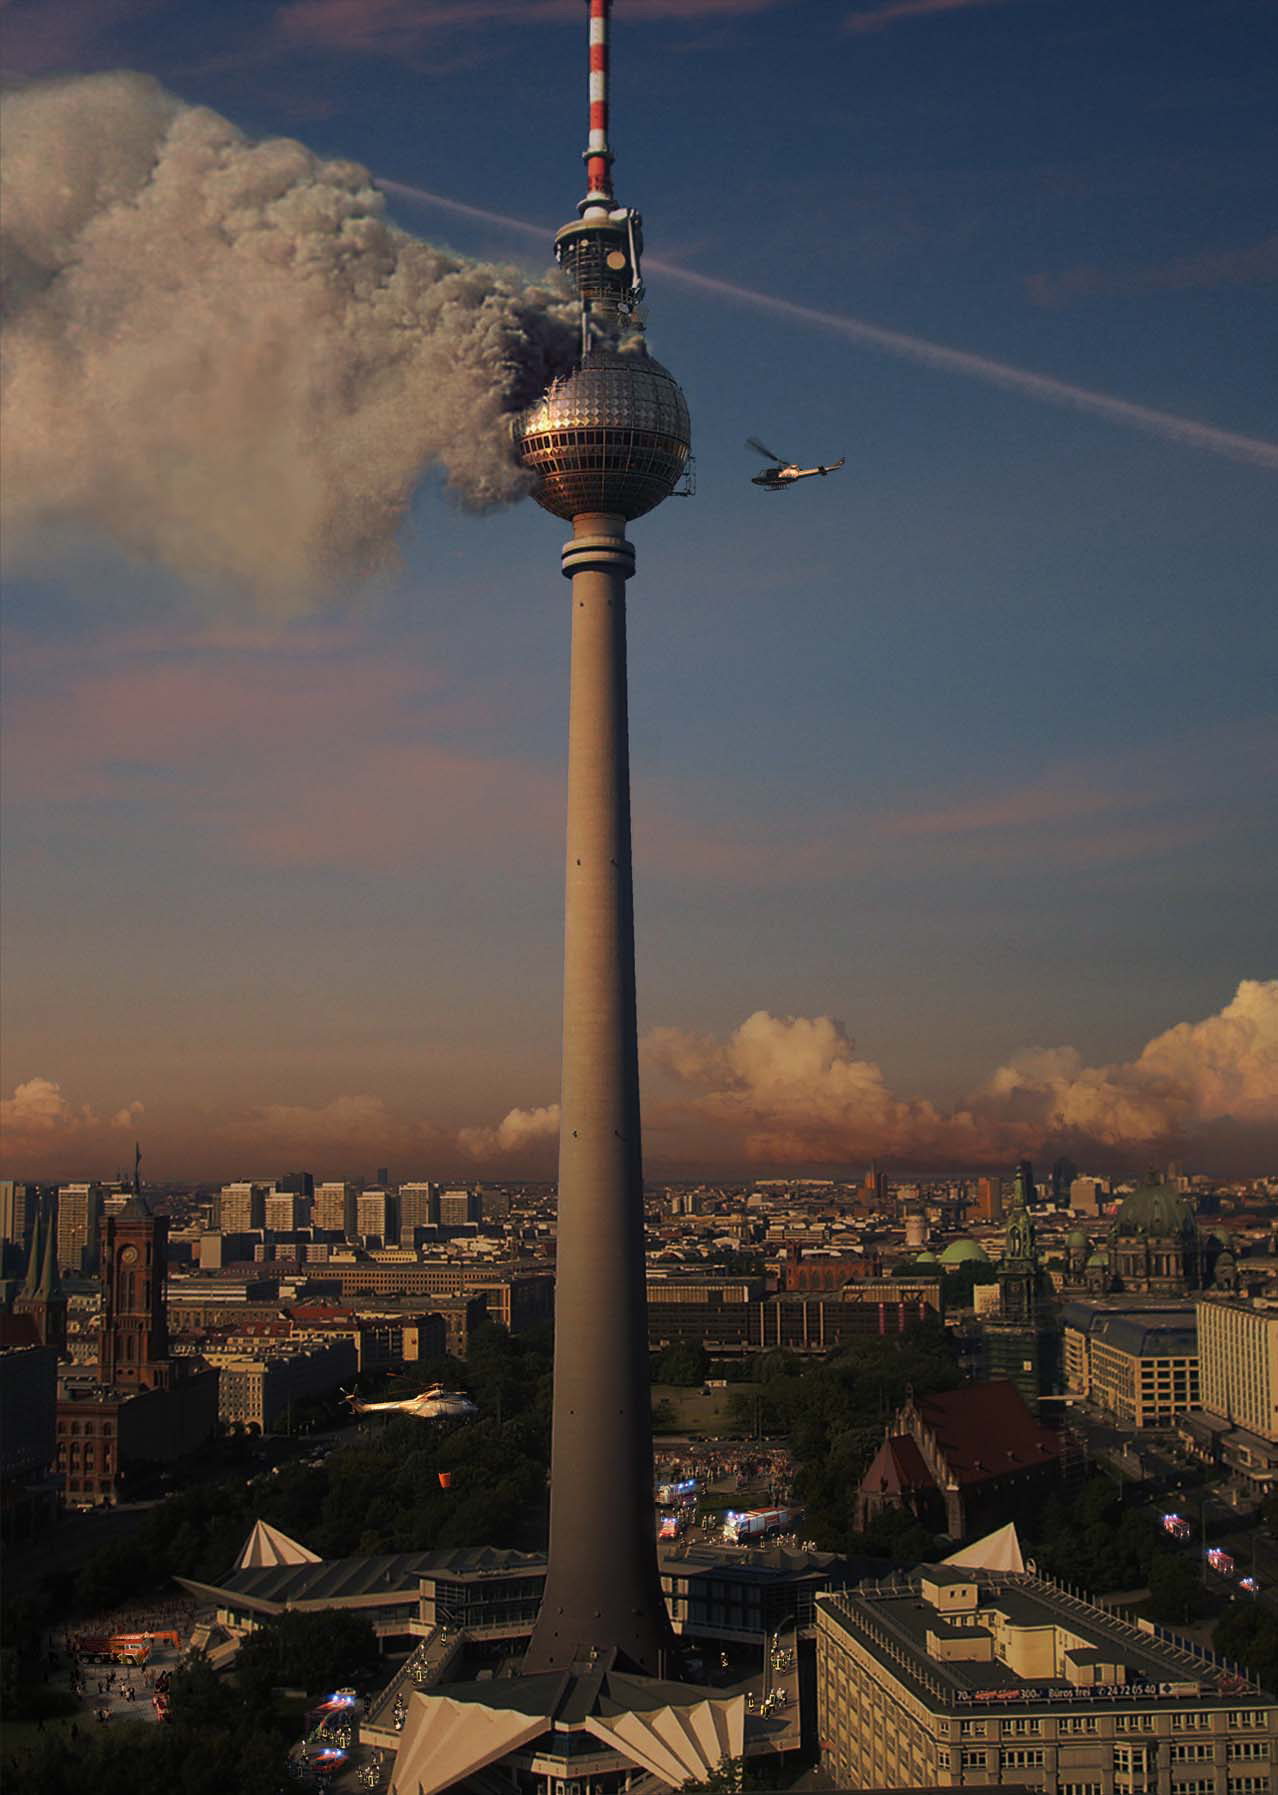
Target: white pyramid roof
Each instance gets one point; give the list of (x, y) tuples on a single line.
[(998, 1551), (267, 1545), (677, 1745), (444, 1740)]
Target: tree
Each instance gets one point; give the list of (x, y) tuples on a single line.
[(1175, 1588), (306, 1648), (686, 1362)]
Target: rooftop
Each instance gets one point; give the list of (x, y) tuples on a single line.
[(893, 1621)]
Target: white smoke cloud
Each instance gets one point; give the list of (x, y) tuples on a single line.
[(793, 1089), (222, 354), (518, 1130)]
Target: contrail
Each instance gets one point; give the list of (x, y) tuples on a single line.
[(1253, 450)]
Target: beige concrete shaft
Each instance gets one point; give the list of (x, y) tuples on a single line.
[(602, 1589)]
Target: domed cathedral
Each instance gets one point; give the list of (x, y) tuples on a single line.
[(1155, 1248)]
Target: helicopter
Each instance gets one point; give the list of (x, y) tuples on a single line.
[(434, 1404), (784, 474)]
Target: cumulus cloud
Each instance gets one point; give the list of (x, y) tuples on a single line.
[(518, 1130), (40, 1119), (224, 355), (793, 1089)]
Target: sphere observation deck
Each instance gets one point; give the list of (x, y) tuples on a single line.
[(612, 436)]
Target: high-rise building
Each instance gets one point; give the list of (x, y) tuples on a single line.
[(287, 1211), (1064, 1172), (989, 1199), (301, 1184), (79, 1212), (1027, 1190), (1087, 1194), (458, 1208), (17, 1212), (376, 1220), (335, 1208), (242, 1207), (418, 1208)]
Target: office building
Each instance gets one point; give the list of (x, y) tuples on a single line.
[(335, 1209), (242, 1207), (955, 1676), (1137, 1361), (376, 1218), (287, 1211), (418, 1208), (459, 1208), (989, 1199), (79, 1212), (1088, 1195)]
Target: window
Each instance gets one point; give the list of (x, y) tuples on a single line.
[(1134, 1723), (973, 1760), (1248, 1749), (1198, 1785), (1078, 1723), (1189, 1721), (971, 1729), (1244, 1718), (1198, 1753), (1026, 1758), (1080, 1789), (1022, 1729), (1249, 1785)]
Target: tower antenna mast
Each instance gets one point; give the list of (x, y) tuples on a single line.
[(601, 250), (605, 444)]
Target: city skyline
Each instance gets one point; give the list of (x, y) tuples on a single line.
[(969, 752)]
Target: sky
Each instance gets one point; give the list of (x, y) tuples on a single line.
[(953, 774)]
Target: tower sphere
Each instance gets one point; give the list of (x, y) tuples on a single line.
[(612, 436)]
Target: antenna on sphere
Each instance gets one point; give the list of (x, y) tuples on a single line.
[(600, 251)]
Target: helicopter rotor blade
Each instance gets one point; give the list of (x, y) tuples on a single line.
[(752, 442)]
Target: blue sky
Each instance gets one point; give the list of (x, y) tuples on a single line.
[(970, 748)]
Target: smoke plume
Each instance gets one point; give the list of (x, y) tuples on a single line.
[(791, 1090), (225, 356)]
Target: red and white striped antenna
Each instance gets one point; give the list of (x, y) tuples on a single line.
[(598, 155)]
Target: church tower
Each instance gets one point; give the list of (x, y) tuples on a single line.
[(41, 1296)]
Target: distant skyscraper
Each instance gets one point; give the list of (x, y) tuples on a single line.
[(458, 1207), (1025, 1187), (79, 1211), (301, 1184), (243, 1207), (1064, 1172), (335, 1209), (989, 1199), (376, 1221), (418, 1208), (287, 1211)]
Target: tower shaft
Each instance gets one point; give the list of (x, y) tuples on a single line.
[(602, 1589)]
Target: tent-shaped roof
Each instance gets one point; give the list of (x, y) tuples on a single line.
[(267, 1545), (998, 1551)]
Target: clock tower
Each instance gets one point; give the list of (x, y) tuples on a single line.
[(134, 1346)]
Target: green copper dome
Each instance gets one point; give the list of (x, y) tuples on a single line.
[(1076, 1238), (964, 1252), (926, 1258), (1099, 1257), (1155, 1210)]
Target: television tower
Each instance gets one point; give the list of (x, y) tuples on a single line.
[(605, 443)]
